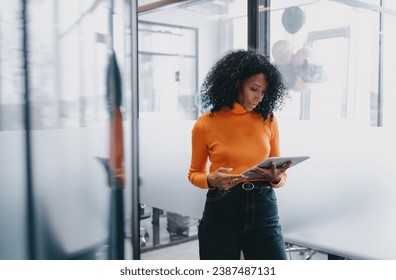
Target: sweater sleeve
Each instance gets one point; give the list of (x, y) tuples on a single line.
[(198, 172), (275, 150)]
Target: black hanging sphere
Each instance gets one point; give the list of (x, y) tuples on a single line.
[(293, 18)]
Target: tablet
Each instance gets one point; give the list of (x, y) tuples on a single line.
[(279, 161)]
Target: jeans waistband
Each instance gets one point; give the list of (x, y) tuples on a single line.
[(249, 186)]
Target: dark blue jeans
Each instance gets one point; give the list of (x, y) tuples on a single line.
[(238, 220)]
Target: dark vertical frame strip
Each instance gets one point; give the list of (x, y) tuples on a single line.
[(252, 24), (264, 27), (31, 236), (135, 113), (197, 69)]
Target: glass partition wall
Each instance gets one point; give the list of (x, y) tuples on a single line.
[(69, 55), (68, 48), (12, 138)]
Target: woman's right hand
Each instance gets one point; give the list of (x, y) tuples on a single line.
[(220, 179)]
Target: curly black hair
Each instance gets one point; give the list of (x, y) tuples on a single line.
[(114, 87), (219, 88)]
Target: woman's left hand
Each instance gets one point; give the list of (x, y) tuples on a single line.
[(273, 174)]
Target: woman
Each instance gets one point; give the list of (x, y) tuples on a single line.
[(241, 90)]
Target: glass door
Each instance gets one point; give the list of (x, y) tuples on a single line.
[(177, 46)]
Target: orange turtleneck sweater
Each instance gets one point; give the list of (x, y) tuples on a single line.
[(116, 158), (236, 139)]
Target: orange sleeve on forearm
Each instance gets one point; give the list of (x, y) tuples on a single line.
[(198, 172), (281, 182), (116, 158)]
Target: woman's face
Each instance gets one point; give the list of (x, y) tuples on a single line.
[(251, 91)]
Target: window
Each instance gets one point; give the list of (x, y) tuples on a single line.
[(334, 66), (177, 46), (167, 71)]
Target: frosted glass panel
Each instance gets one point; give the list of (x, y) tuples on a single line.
[(165, 150), (13, 196), (71, 191)]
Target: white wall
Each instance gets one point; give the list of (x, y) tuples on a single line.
[(340, 200)]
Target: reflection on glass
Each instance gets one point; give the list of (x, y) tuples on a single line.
[(68, 57), (11, 72)]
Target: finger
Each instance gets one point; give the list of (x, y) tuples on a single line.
[(225, 185), (285, 166), (233, 180), (232, 183), (224, 170), (237, 176), (287, 163), (242, 177), (258, 169)]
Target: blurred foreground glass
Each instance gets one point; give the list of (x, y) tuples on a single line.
[(12, 137), (11, 71), (67, 60), (68, 44)]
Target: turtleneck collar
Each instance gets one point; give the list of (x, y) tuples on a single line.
[(238, 109)]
